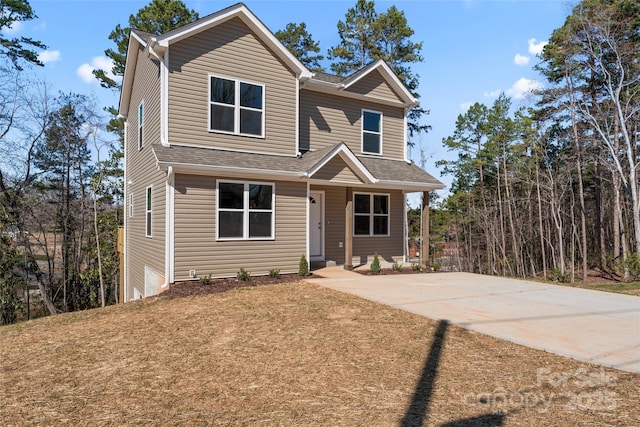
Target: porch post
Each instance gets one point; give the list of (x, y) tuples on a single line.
[(424, 239), (348, 231)]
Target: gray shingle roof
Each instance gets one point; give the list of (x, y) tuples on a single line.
[(177, 155), (398, 171), (142, 34), (386, 171), (326, 77)]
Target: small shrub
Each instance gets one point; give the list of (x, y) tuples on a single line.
[(555, 275), (205, 280), (375, 265), (274, 273), (435, 266), (243, 275), (632, 263), (303, 268), (396, 266), (416, 266)]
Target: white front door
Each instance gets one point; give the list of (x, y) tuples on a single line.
[(316, 226)]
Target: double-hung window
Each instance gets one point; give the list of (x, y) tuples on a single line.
[(140, 125), (371, 132), (370, 214), (236, 107), (148, 212), (245, 210)]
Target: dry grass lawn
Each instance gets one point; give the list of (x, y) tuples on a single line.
[(291, 355)]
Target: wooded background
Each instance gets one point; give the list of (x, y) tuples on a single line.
[(551, 190)]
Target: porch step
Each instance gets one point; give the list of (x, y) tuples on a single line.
[(315, 265)]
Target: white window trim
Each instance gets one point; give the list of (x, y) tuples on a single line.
[(362, 131), (130, 205), (140, 135), (371, 215), (236, 107), (246, 210), (148, 211)]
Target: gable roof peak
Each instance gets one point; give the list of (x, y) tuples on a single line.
[(326, 81), (241, 11)]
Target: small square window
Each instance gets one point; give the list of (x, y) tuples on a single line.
[(236, 107), (245, 210), (370, 214)]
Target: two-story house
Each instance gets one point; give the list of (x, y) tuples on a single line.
[(237, 155)]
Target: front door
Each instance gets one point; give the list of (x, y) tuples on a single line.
[(316, 226)]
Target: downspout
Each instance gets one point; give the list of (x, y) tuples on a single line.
[(162, 56), (169, 255), (125, 215)]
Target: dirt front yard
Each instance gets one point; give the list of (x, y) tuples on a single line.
[(290, 354)]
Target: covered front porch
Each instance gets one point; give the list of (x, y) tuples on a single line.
[(340, 236)]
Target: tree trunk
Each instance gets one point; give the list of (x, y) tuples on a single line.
[(540, 224), (600, 217)]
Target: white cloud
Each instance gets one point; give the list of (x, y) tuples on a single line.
[(523, 88), (16, 27), (49, 56), (465, 106), (536, 48), (85, 71), (521, 59), (492, 94)]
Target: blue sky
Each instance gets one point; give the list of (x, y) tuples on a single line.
[(473, 49)]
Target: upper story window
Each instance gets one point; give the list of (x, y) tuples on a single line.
[(140, 124), (371, 132), (370, 214), (245, 210), (236, 107)]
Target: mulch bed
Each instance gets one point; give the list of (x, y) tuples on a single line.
[(389, 271), (216, 286)]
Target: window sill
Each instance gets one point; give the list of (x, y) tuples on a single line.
[(240, 239), (248, 135)]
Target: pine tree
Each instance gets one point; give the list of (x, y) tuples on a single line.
[(366, 36), (300, 43)]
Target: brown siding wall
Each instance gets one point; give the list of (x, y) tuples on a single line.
[(389, 248), (374, 85), (196, 247), (230, 50), (141, 170), (326, 120), (337, 170), (334, 204)]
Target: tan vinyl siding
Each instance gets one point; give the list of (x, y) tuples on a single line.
[(334, 205), (229, 50), (326, 120), (142, 172), (390, 247), (196, 247), (336, 170), (375, 85)]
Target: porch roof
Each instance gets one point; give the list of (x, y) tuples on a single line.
[(377, 172)]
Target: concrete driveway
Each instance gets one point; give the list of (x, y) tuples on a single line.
[(592, 326)]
